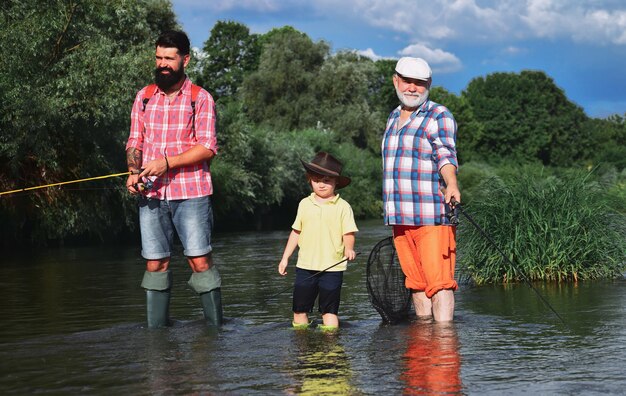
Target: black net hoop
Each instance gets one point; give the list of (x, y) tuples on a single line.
[(385, 283)]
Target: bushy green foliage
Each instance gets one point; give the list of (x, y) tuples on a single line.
[(70, 73), (609, 149), (278, 94), (527, 118), (298, 85), (559, 227), (341, 95), (365, 191), (382, 94), (471, 177), (260, 173)]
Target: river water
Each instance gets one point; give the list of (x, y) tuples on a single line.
[(73, 323)]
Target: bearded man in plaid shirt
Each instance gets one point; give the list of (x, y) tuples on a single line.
[(172, 141), (420, 187)]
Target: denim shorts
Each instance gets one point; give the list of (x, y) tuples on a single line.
[(192, 219), (307, 288)]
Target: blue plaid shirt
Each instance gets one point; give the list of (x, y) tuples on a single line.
[(413, 154)]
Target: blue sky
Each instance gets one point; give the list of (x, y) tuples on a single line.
[(580, 44)]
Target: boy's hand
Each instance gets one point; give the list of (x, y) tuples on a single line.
[(282, 267), (350, 254)]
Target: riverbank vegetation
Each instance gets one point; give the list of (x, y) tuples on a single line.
[(553, 224), (72, 70)]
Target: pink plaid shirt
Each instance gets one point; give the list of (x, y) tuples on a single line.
[(165, 129)]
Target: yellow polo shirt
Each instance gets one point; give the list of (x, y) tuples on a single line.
[(322, 227)]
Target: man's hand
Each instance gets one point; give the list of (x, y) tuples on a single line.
[(131, 182), (156, 167), (448, 172)]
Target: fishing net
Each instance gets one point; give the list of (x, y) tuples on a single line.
[(385, 283)]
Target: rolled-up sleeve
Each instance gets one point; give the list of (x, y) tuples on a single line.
[(205, 121), (444, 140)]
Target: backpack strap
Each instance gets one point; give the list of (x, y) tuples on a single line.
[(195, 90), (150, 90)]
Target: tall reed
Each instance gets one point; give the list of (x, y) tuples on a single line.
[(554, 228)]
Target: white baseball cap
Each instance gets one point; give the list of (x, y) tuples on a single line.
[(416, 68)]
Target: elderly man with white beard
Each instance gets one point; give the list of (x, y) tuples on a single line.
[(420, 187)]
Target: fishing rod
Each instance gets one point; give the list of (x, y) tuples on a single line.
[(69, 182), (305, 279), (454, 219)]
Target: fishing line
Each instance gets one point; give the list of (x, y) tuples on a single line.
[(453, 219), (66, 182)]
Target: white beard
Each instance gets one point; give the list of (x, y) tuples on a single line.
[(412, 100)]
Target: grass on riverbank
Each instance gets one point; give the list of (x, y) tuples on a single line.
[(553, 228)]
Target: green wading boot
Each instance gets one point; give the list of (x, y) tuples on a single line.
[(212, 307), (158, 289), (207, 284)]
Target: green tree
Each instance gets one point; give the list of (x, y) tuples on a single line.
[(341, 92), (71, 71), (609, 136), (279, 94), (229, 54), (382, 97), (526, 118)]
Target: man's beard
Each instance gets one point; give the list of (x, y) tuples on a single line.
[(414, 100), (167, 81)]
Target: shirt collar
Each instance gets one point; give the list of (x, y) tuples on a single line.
[(423, 108), (184, 88), (330, 201)]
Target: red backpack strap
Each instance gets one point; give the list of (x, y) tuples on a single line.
[(195, 90), (150, 90)]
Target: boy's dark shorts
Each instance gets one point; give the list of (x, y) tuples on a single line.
[(327, 285)]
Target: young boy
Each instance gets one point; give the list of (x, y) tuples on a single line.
[(324, 231)]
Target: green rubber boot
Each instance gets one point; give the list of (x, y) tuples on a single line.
[(212, 307), (158, 290), (207, 284)]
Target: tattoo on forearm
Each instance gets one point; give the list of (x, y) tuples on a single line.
[(133, 158)]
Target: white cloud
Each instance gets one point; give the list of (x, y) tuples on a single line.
[(598, 21), (581, 22), (439, 60), (432, 20), (369, 53)]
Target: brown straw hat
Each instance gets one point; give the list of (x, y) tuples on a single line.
[(326, 165)]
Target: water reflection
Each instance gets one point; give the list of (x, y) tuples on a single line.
[(322, 366), (431, 362), (177, 359), (73, 322)]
